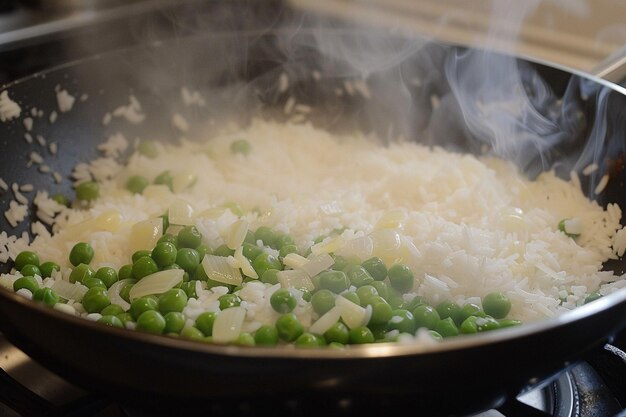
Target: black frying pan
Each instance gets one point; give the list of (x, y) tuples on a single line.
[(238, 74)]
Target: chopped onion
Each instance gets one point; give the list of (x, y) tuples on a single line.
[(157, 283), (227, 325), (573, 227), (68, 290), (326, 321), (295, 279), (182, 181), (109, 220), (361, 248), (391, 220), (386, 245), (218, 269), (318, 264), (295, 261), (353, 314), (114, 293), (65, 308), (145, 234), (157, 192), (330, 246), (236, 234), (244, 263), (180, 213)]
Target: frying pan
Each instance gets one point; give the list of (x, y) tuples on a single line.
[(238, 74)]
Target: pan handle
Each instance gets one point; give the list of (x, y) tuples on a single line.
[(613, 68)]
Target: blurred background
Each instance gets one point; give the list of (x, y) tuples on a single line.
[(36, 34)]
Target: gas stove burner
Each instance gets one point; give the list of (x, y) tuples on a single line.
[(27, 389)]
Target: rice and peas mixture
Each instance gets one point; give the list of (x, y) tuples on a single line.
[(285, 234)]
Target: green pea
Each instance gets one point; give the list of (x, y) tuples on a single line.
[(47, 268), (189, 237), (240, 146), (446, 327), (140, 254), (508, 323), (487, 323), (265, 234), (125, 318), (358, 275), (308, 340), (250, 238), (164, 254), (281, 240), (169, 238), (286, 250), (270, 276), (376, 268), (148, 148), (307, 295), (205, 321), (352, 296), (337, 333), (435, 335), (381, 310), (471, 309), (592, 297), (191, 333), (401, 278), (165, 178), (47, 296), (403, 321), (143, 267), (203, 250), (141, 305), (87, 191), (110, 320), (188, 259), (251, 251), (190, 288), (265, 261), (289, 327), (450, 309), (336, 346), (425, 316), (282, 301), (497, 305), (244, 339), (223, 250), (360, 335), (112, 310), (322, 301), (396, 301), (174, 322), (81, 272), (414, 303), (26, 258), (366, 293), (381, 288), (106, 275), (136, 184), (95, 299), (266, 336), (30, 270), (340, 263), (125, 291), (151, 321), (93, 282), (61, 199), (125, 272), (228, 301), (469, 325), (173, 300), (81, 253), (335, 281)]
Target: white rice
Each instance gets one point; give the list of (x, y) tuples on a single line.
[(65, 101), (53, 116), (28, 123)]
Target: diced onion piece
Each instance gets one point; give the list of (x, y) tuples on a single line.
[(325, 322), (182, 181), (114, 293), (353, 314), (318, 264), (181, 213), (244, 263), (386, 245), (392, 219), (110, 221), (145, 234), (156, 283), (295, 279), (227, 324), (330, 246), (295, 261), (573, 227), (361, 248), (157, 192), (218, 269), (212, 213), (65, 308), (68, 290), (236, 234)]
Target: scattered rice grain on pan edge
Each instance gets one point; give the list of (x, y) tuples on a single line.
[(465, 226)]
